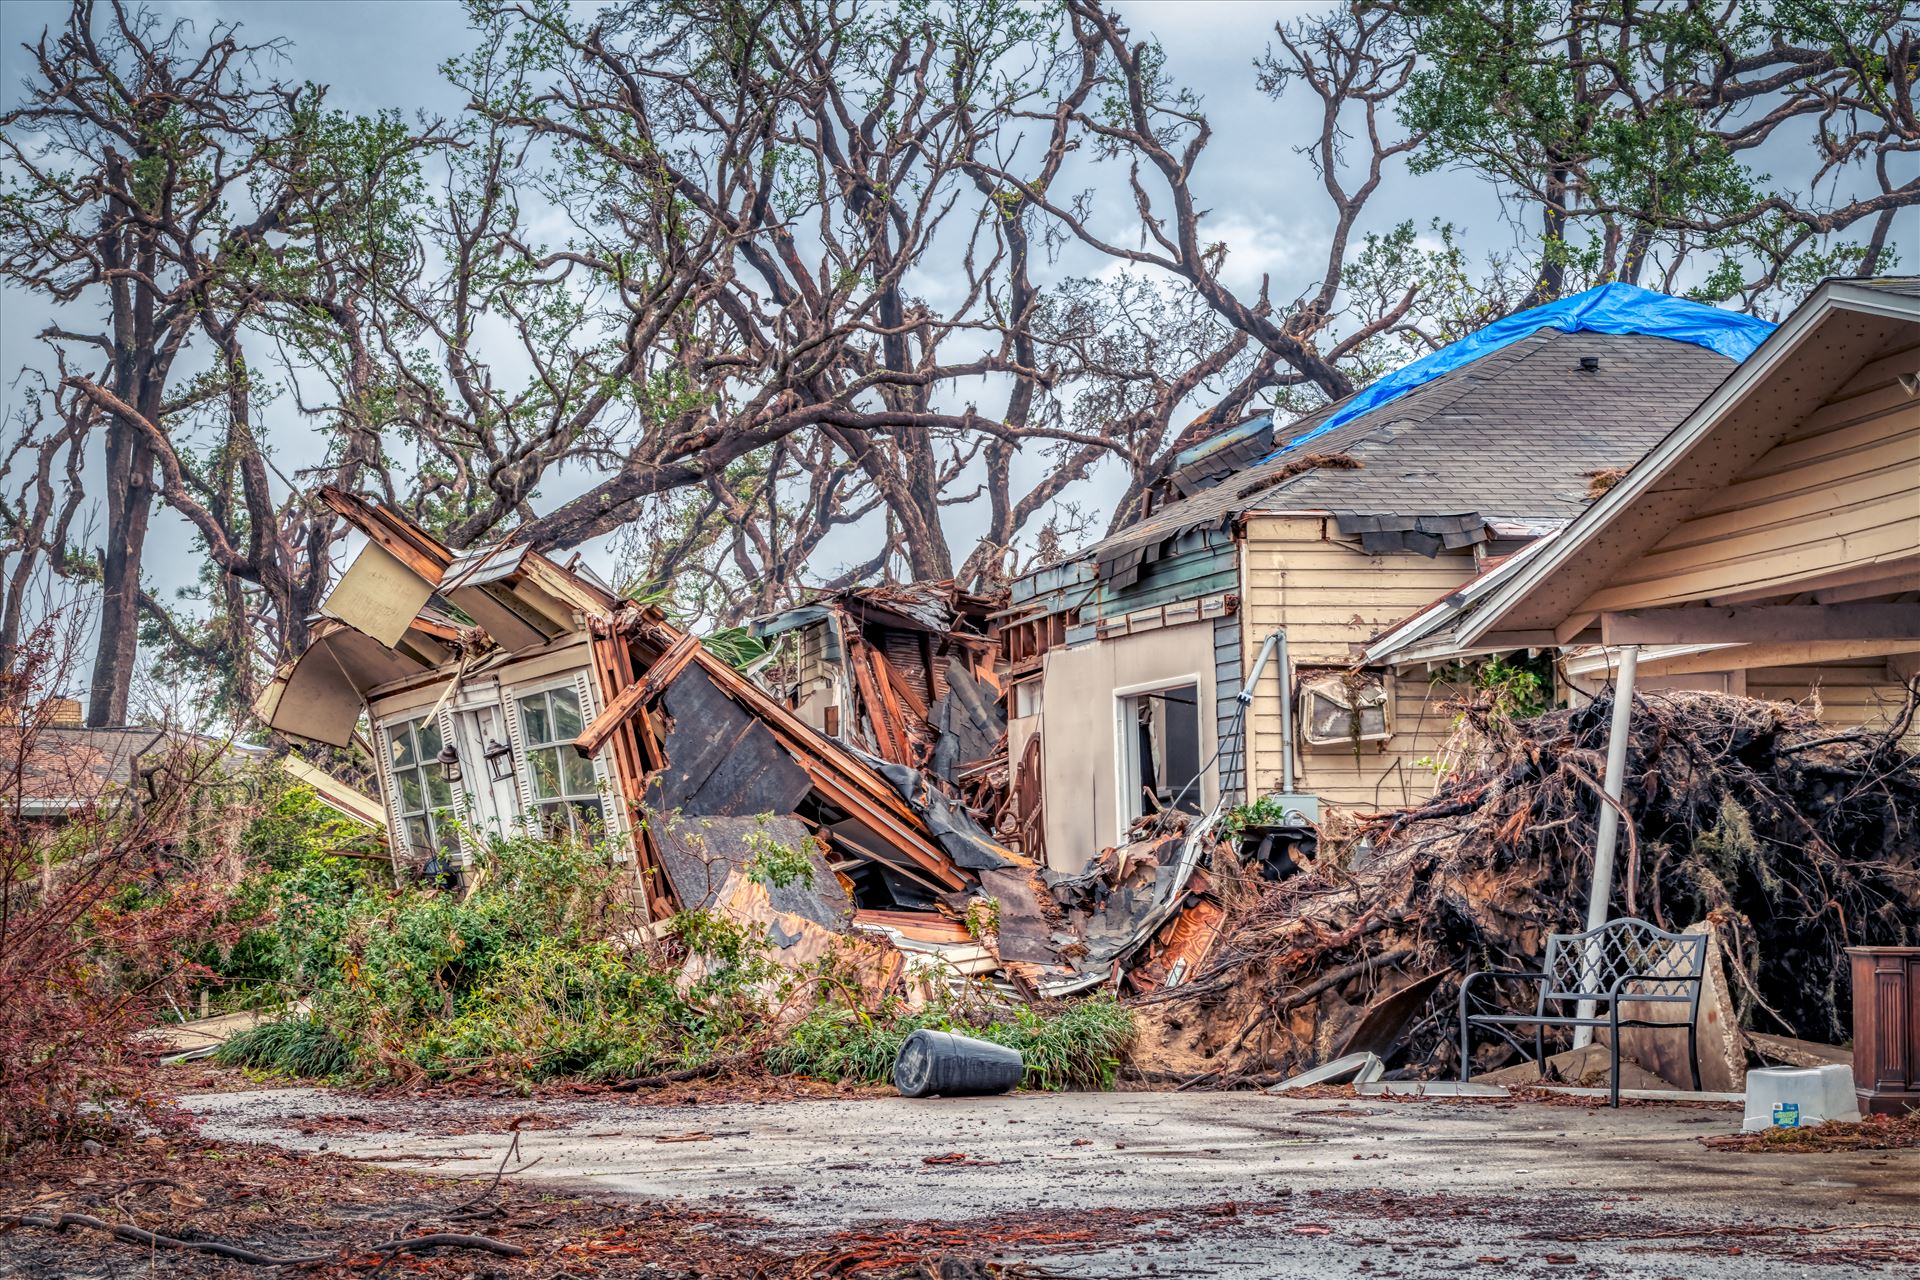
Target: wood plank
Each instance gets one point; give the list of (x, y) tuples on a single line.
[(636, 695), (1899, 450), (1752, 658), (1883, 529), (1886, 369), (1837, 438), (903, 692), (1765, 624), (886, 741), (1842, 410)]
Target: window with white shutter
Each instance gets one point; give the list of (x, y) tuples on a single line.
[(562, 789)]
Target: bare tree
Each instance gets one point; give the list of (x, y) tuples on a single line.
[(161, 184)]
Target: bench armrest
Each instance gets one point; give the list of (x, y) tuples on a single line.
[(1466, 983)]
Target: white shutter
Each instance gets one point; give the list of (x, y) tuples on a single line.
[(510, 703), (397, 843), (610, 801), (459, 789)]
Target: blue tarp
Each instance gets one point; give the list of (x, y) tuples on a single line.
[(1609, 308)]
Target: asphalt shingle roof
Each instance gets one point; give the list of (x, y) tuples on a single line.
[(1509, 436)]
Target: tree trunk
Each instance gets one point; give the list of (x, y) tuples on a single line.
[(129, 508)]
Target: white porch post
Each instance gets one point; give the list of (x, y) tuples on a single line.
[(1600, 893)]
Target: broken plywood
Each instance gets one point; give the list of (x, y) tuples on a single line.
[(703, 853)]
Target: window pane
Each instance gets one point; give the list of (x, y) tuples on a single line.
[(566, 715), (546, 771), (533, 720), (578, 772), (553, 819), (586, 816), (439, 794), (417, 833), (412, 797), (400, 738), (430, 744)]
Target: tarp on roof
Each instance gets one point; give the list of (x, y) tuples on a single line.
[(1607, 308)]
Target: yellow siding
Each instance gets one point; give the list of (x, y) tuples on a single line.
[(1846, 694), (1841, 490), (1330, 597)]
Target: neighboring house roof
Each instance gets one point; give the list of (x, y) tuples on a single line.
[(1816, 349), (69, 767), (1508, 436)]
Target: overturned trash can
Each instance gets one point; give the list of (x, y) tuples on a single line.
[(953, 1066)]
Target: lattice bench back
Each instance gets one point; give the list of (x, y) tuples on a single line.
[(1655, 964)]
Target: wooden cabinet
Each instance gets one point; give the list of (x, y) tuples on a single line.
[(1886, 1028)]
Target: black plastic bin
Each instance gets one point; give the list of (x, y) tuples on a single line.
[(953, 1066)]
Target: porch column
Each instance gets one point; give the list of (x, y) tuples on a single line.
[(1600, 892)]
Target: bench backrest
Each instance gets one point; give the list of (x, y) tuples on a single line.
[(1663, 966)]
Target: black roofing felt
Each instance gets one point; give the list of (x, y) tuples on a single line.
[(1510, 436)]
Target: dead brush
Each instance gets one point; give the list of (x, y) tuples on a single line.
[(1795, 839)]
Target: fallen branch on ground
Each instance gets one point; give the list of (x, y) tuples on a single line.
[(153, 1240), (450, 1240)]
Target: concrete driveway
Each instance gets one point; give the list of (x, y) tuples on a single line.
[(1188, 1184)]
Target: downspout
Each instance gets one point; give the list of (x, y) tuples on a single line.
[(1275, 640), (1600, 891)]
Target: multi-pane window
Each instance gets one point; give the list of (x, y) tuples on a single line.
[(420, 783), (566, 796)]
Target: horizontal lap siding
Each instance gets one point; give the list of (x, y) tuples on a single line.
[(1227, 681), (1847, 694), (1198, 565), (1331, 597), (1842, 489)]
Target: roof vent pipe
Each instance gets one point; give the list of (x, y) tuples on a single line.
[(1590, 364)]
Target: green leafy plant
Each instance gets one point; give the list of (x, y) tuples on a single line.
[(776, 864), (1266, 811)]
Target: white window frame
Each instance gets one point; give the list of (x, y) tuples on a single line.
[(523, 750), (1126, 743), (445, 843)]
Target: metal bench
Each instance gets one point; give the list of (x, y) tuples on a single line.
[(1623, 959)]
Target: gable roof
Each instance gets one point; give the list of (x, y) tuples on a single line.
[(1509, 436), (1816, 349)]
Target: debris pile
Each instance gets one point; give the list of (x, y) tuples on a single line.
[(904, 672), (1795, 840)]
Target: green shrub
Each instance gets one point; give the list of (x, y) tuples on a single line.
[(555, 1010), (532, 976), (1078, 1047), (291, 1046)]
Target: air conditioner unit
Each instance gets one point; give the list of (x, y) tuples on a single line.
[(1343, 708)]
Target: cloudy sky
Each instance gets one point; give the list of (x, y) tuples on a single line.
[(1263, 200)]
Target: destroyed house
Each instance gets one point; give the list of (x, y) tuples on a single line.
[(905, 672), (1126, 662), (500, 687)]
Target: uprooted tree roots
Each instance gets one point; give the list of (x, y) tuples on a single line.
[(1797, 841)]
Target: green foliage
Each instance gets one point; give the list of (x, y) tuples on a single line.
[(545, 1010), (535, 975), (1266, 811), (288, 1046), (1077, 1047), (1521, 690), (774, 864)]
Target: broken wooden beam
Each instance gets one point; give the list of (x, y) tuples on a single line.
[(630, 700)]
